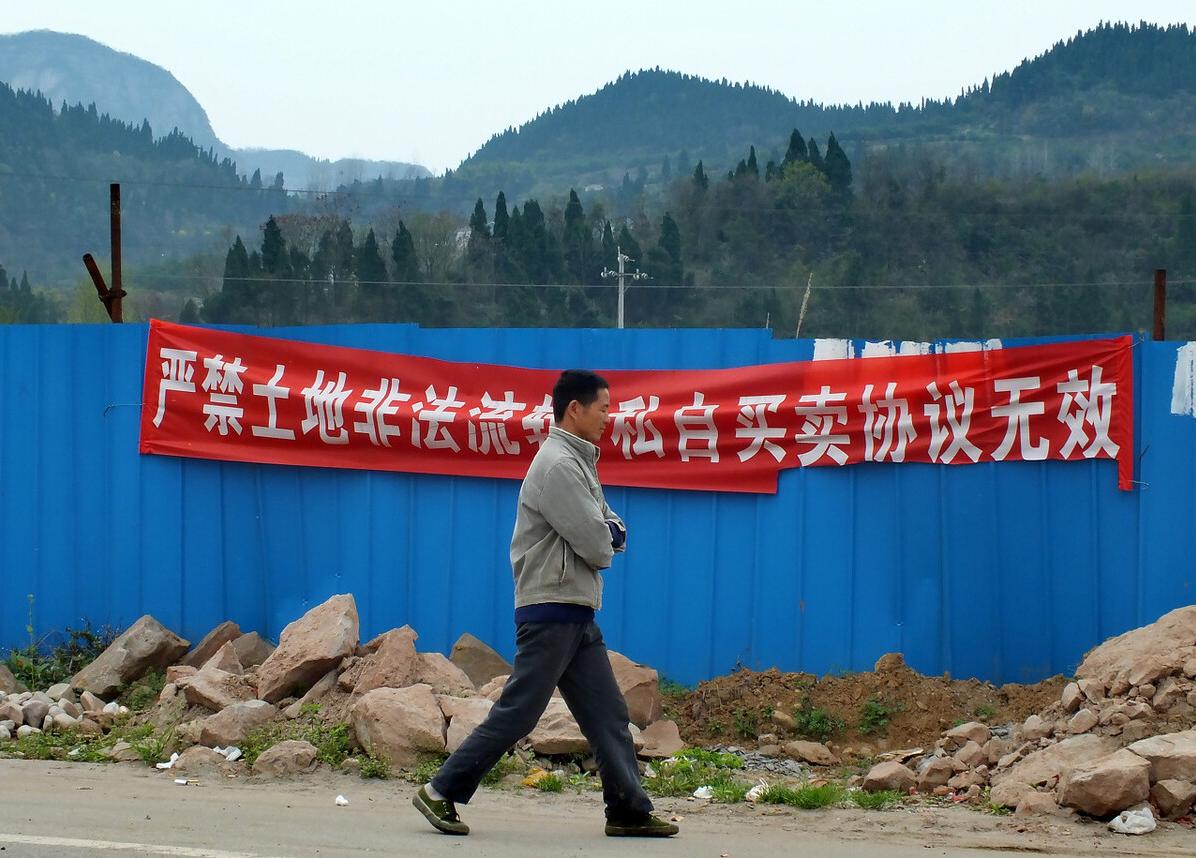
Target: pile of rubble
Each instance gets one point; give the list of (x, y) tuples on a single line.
[(1119, 736), (402, 705)]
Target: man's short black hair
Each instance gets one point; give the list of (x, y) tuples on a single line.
[(579, 384)]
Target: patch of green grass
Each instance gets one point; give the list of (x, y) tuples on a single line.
[(984, 711), (427, 769), (332, 741), (805, 797), (746, 723), (718, 759), (875, 715), (143, 693), (692, 768), (730, 792), (875, 800), (375, 767), (38, 665), (550, 783), (584, 781), (816, 723), (508, 764)]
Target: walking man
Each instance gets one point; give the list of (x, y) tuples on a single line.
[(565, 534)]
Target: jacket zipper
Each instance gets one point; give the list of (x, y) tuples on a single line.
[(564, 560)]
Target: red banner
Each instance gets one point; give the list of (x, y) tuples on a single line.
[(218, 395)]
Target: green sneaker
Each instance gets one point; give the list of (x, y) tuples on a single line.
[(646, 826), (442, 814)]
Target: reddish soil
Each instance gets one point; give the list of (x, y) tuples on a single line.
[(738, 708)]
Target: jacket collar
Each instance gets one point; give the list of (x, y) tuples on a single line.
[(583, 447)]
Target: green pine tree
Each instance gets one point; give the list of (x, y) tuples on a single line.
[(837, 167), (797, 152)]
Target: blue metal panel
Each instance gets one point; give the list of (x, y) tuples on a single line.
[(1002, 572)]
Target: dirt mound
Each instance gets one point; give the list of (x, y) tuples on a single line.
[(859, 713)]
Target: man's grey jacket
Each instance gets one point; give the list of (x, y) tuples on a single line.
[(561, 539)]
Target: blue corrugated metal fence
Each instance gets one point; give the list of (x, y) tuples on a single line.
[(1005, 572)]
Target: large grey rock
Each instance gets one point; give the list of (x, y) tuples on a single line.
[(10, 711), (640, 686), (479, 661), (292, 757), (401, 725), (230, 726), (34, 712), (973, 731), (464, 714), (390, 662), (888, 776), (8, 682), (663, 739), (936, 773), (1172, 756), (1173, 797), (198, 759), (444, 677), (815, 753), (1145, 654), (1108, 785), (146, 645), (1049, 764), (226, 632), (252, 649), (1082, 722), (557, 732), (226, 659), (309, 648), (215, 689)]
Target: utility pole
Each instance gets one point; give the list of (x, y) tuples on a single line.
[(110, 297), (623, 276), (1160, 304)]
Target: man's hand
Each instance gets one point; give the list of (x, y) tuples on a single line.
[(617, 536)]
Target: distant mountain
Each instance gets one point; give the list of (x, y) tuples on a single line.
[(75, 69), (1111, 99)]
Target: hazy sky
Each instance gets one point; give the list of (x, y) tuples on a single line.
[(430, 82)]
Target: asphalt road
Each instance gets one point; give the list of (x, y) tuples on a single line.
[(55, 810)]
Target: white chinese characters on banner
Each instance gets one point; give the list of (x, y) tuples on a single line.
[(817, 429), (633, 432), (830, 427), (888, 420), (950, 440), (324, 402), (223, 383), (1018, 414), (1087, 402), (699, 435), (375, 406), (436, 414), (754, 428), (273, 391), (178, 373), (491, 429)]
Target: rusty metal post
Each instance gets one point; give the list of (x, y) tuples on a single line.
[(116, 292), (1160, 303)]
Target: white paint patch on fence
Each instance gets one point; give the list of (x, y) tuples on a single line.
[(832, 349), (1183, 388)]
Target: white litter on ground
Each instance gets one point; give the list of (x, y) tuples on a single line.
[(1138, 820)]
